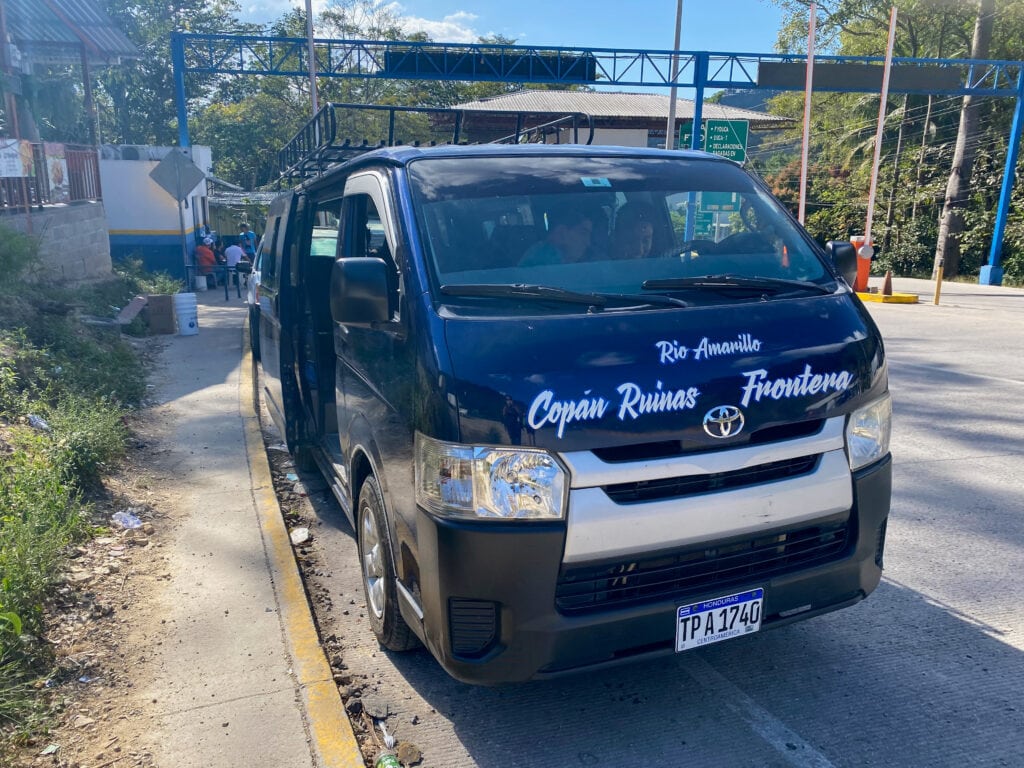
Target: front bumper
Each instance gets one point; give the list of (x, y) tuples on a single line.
[(488, 594)]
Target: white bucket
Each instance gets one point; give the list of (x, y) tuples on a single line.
[(187, 312), (201, 283)]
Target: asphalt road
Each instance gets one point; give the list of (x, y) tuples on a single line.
[(929, 671)]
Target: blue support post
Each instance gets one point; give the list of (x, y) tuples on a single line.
[(992, 273), (700, 79), (178, 66)]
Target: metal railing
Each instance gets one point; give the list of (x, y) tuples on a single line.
[(49, 174), (317, 146)]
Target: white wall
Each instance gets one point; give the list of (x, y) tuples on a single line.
[(136, 203), (621, 137)]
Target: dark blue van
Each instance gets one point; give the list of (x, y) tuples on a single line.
[(582, 405)]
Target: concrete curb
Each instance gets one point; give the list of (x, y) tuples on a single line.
[(331, 738)]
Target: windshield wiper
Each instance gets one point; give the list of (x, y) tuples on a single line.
[(769, 284), (552, 293)]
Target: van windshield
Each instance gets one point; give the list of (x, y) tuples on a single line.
[(618, 225)]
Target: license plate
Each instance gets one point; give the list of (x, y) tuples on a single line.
[(721, 618)]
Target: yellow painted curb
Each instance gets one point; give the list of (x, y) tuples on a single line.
[(331, 736), (895, 298)]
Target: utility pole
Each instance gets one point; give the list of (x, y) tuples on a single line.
[(670, 128), (808, 90), (312, 57)]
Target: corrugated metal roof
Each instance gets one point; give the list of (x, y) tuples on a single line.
[(612, 104), (50, 31)]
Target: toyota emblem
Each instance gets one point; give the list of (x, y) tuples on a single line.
[(723, 421)]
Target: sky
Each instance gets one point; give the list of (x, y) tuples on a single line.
[(744, 26)]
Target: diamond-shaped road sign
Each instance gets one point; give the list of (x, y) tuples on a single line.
[(177, 175)]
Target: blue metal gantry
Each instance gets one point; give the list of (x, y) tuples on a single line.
[(224, 54)]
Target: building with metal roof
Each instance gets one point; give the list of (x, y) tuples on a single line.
[(621, 118), (61, 31), (45, 33)]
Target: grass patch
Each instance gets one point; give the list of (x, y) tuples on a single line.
[(65, 388)]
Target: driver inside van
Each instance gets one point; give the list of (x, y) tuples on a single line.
[(567, 241), (634, 231)]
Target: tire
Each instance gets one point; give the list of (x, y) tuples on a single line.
[(304, 460), (377, 566), (254, 333)]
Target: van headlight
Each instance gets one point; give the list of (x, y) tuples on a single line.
[(867, 432), (465, 481)]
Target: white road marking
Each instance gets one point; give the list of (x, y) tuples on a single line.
[(786, 742)]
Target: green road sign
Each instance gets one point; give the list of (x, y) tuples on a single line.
[(722, 202), (727, 138)]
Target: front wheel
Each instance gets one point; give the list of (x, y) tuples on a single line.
[(254, 332), (378, 569)]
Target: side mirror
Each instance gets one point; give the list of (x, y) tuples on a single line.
[(359, 291), (844, 256)]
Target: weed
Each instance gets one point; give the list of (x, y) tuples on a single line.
[(81, 379), (41, 515), (18, 252), (88, 437)]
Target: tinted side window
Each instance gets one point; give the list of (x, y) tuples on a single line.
[(365, 236), (271, 247)]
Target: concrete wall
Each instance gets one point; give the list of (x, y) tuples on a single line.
[(73, 242)]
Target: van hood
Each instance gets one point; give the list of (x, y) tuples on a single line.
[(692, 379)]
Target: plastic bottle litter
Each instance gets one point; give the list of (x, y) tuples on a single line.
[(387, 759), (126, 520), (38, 422)]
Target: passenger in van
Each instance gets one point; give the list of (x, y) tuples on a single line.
[(634, 231), (600, 235), (567, 241)]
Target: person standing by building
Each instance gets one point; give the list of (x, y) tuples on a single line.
[(247, 239)]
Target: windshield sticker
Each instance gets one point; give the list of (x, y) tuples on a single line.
[(634, 402), (670, 352), (807, 383), (594, 181)]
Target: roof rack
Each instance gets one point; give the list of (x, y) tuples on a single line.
[(316, 147)]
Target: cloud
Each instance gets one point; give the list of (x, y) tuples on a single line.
[(453, 28), (268, 11)]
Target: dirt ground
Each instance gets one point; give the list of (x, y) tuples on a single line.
[(102, 619), (99, 622)]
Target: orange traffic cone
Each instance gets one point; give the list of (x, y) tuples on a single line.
[(887, 283)]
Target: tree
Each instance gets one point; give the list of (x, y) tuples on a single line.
[(951, 224), (912, 180), (139, 95)]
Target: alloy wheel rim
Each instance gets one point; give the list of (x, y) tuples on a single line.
[(373, 563)]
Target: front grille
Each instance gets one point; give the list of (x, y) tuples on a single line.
[(473, 625), (699, 443), (698, 569), (676, 487)]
